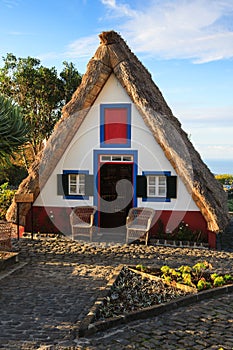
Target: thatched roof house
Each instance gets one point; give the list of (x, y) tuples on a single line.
[(113, 57)]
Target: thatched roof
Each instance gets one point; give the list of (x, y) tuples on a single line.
[(114, 56)]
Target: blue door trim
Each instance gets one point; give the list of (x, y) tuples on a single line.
[(97, 153)]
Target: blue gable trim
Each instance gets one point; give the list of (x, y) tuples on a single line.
[(102, 121), (97, 153)]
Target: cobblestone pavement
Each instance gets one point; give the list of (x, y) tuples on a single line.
[(42, 303)]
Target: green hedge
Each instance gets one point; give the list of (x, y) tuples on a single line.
[(6, 196), (230, 204)]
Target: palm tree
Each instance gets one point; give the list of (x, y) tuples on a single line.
[(13, 130)]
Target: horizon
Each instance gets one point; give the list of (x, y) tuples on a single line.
[(219, 166)]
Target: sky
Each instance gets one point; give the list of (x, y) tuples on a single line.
[(187, 45)]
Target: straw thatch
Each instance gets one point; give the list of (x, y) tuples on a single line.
[(114, 56)]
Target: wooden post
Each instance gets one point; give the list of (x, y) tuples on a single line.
[(18, 220), (32, 219), (24, 198)]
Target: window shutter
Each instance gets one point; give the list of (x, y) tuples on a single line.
[(89, 185), (62, 184), (171, 186), (141, 186)]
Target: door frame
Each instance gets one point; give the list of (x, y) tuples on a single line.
[(96, 161)]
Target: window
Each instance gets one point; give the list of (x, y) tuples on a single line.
[(156, 186), (77, 184), (115, 125), (116, 158)]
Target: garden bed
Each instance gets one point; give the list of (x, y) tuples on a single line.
[(138, 292), (196, 278)]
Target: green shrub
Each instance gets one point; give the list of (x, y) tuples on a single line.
[(230, 193), (219, 281), (230, 204), (197, 276), (13, 174), (203, 284), (225, 179), (228, 278), (6, 196)]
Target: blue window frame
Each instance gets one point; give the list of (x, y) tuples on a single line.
[(156, 186), (115, 130), (75, 184)]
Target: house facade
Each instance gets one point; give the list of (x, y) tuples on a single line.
[(118, 146), (114, 144)]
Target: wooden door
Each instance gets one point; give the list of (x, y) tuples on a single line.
[(115, 193)]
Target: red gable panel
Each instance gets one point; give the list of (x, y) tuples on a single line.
[(115, 125)]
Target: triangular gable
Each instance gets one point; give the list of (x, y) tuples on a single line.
[(114, 56)]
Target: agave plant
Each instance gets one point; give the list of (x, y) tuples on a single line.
[(13, 129)]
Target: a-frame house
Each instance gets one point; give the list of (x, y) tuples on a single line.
[(117, 127)]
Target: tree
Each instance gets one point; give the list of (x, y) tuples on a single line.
[(40, 93), (225, 179), (71, 80), (13, 130), (36, 90)]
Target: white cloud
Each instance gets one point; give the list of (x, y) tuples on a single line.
[(83, 47), (199, 30), (210, 130), (79, 51), (212, 141), (205, 116), (10, 3), (48, 56), (190, 29), (218, 152), (119, 10)]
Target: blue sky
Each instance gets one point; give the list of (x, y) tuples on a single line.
[(187, 45)]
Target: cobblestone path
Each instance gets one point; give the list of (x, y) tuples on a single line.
[(42, 303), (206, 325)]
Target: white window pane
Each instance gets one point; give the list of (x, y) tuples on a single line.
[(106, 158), (81, 189), (77, 184), (81, 178), (152, 180), (162, 192), (73, 178), (156, 186), (162, 180), (116, 158), (152, 192), (73, 189), (127, 158)]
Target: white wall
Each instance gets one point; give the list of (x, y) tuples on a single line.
[(79, 154)]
